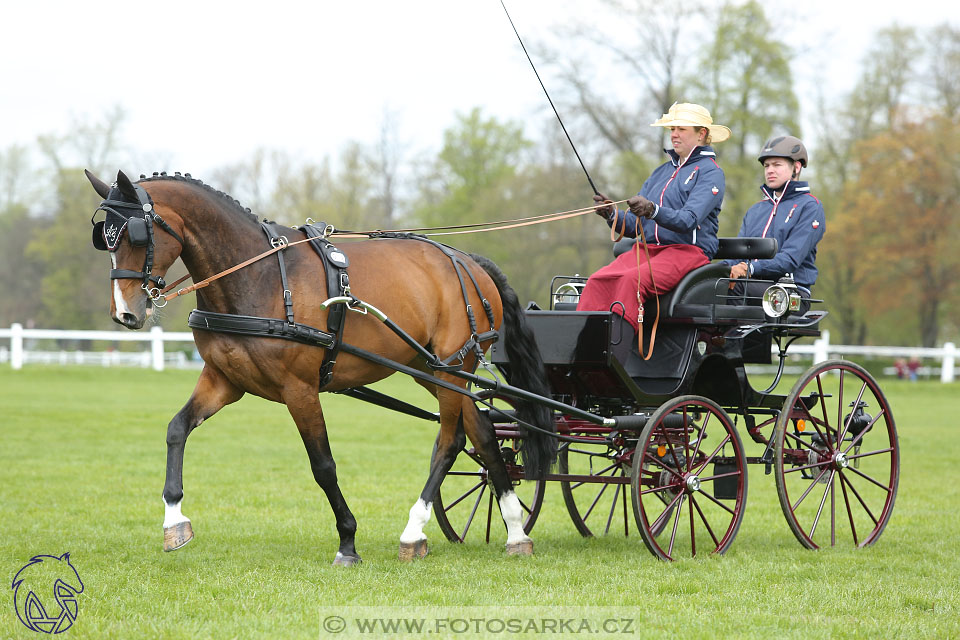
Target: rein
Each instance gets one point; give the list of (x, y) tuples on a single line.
[(279, 246), (638, 231), (282, 244)]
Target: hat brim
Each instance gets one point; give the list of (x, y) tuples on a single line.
[(718, 132)]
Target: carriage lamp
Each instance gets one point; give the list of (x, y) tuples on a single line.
[(780, 298), (568, 292)]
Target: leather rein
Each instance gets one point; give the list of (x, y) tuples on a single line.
[(616, 236)]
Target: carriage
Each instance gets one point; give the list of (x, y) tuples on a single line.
[(674, 467), (656, 442)]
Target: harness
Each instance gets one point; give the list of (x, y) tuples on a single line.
[(139, 227), (139, 223), (340, 301)]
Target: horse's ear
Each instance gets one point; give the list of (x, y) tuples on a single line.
[(101, 187), (126, 187)]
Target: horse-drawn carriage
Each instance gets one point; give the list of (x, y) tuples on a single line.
[(660, 438), (678, 471)]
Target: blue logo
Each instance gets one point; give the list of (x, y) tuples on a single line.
[(45, 593)]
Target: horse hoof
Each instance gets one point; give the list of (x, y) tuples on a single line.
[(522, 548), (345, 561), (410, 551), (176, 536)]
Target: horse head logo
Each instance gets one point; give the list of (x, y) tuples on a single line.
[(46, 580)]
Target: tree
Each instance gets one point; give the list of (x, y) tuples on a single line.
[(743, 77), (19, 300), (908, 187), (944, 76), (881, 92), (468, 183), (642, 59)]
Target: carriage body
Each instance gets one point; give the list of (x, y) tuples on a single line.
[(681, 466)]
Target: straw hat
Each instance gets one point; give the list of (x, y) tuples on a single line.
[(686, 114)]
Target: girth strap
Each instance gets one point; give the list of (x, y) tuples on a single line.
[(257, 326)]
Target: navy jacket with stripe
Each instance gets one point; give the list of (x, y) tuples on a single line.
[(798, 222), (688, 201)]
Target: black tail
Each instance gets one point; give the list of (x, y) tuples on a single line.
[(527, 372)]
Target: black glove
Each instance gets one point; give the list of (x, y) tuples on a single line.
[(604, 212), (641, 207)]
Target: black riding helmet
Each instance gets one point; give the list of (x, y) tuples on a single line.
[(784, 147)]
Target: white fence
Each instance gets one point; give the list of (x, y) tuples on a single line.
[(20, 352), (22, 349)]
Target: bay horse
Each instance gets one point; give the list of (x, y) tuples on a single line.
[(415, 284)]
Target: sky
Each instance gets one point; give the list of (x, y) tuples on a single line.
[(205, 83)]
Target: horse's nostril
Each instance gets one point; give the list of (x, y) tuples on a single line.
[(128, 319)]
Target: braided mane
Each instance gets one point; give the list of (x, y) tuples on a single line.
[(186, 177)]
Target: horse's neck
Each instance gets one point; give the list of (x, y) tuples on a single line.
[(216, 240)]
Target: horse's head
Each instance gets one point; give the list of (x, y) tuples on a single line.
[(142, 246)]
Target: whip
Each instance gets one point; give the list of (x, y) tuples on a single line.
[(546, 93)]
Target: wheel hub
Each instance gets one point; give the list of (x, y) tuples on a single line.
[(840, 460), (692, 483)]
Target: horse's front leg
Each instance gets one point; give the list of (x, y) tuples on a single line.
[(212, 393), (304, 406)]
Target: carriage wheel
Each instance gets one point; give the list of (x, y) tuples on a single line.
[(466, 500), (838, 459), (689, 479), (597, 503)]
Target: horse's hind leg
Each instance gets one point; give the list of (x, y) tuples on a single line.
[(304, 406), (413, 541), (481, 432), (211, 393), (459, 411)]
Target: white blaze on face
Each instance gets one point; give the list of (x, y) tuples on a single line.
[(512, 514), (118, 302)]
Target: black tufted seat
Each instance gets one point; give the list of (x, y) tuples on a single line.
[(699, 296)]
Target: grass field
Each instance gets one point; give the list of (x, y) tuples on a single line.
[(82, 467)]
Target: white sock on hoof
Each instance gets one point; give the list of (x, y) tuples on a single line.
[(512, 514), (419, 516), (173, 516)]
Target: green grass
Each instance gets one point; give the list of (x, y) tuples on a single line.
[(82, 465)]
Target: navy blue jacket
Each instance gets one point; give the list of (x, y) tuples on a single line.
[(688, 201), (798, 222)]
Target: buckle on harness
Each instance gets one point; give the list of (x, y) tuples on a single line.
[(279, 241)]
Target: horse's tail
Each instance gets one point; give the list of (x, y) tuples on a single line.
[(527, 372)]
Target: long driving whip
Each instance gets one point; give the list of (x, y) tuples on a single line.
[(546, 93)]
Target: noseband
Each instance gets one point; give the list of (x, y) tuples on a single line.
[(138, 221)]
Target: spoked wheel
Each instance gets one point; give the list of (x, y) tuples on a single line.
[(689, 479), (596, 497), (466, 500), (837, 457)]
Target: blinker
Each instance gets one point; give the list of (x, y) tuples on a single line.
[(137, 232), (98, 242)]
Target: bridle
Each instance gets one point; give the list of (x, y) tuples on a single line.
[(139, 224)]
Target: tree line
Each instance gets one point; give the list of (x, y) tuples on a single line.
[(884, 161)]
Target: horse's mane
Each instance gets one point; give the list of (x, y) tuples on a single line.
[(186, 177)]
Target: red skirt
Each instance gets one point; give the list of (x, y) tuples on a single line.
[(620, 281)]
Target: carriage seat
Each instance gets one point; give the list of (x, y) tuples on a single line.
[(728, 249), (699, 296)]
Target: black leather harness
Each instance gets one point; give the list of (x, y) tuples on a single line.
[(335, 265)]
